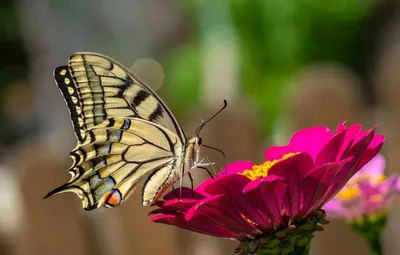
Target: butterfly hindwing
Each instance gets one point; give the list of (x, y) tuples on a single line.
[(115, 156)]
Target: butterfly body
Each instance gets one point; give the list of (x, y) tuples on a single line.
[(124, 132)]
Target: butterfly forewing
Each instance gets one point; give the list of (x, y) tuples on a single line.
[(106, 89), (124, 133)]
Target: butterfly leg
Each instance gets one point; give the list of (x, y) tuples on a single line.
[(211, 164), (205, 168), (176, 194), (191, 183)]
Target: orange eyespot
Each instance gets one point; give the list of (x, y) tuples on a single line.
[(113, 198)]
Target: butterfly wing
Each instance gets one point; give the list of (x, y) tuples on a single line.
[(116, 155), (96, 88), (104, 100)]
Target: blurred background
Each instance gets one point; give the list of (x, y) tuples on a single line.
[(282, 65)]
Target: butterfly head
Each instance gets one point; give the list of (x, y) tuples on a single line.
[(198, 140), (194, 145)]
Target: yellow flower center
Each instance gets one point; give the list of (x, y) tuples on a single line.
[(352, 190), (258, 171)]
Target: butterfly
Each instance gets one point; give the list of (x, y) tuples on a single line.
[(124, 132)]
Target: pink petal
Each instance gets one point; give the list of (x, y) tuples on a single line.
[(373, 148), (331, 150), (334, 209), (196, 226), (293, 170), (218, 210), (227, 184), (375, 167), (231, 187), (236, 167), (357, 152), (230, 169), (348, 141), (181, 204), (266, 196), (276, 152), (341, 127), (316, 184), (310, 140), (186, 193), (174, 206), (389, 185), (397, 185)]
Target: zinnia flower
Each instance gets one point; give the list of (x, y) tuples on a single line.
[(367, 194), (365, 201), (274, 207)]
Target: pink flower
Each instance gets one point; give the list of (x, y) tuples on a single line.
[(250, 201), (369, 192)]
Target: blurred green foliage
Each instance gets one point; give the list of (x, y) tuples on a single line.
[(13, 61), (13, 65), (275, 39), (183, 69)]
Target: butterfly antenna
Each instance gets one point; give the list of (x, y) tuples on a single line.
[(216, 149), (203, 123)]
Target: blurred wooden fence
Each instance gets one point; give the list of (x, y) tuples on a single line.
[(321, 95)]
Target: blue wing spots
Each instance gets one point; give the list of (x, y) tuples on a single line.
[(114, 135), (111, 181), (127, 124)]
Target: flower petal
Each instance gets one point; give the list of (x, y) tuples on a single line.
[(196, 226), (181, 204), (375, 168), (293, 170), (316, 184), (236, 167), (276, 152), (266, 196), (356, 152), (231, 186), (315, 138), (227, 184), (218, 210), (331, 150), (373, 148), (230, 169), (185, 193), (335, 209), (351, 133)]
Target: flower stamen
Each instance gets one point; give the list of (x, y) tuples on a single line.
[(261, 170)]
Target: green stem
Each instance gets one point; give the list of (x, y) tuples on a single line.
[(375, 245), (301, 252)]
